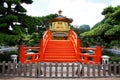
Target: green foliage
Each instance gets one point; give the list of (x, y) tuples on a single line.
[(10, 15), (7, 56), (11, 18), (27, 1), (115, 42), (32, 40), (115, 58), (45, 19), (32, 22), (83, 28), (96, 25), (108, 10), (27, 21), (19, 8), (108, 29), (2, 9), (113, 30), (18, 30), (102, 29), (86, 34), (12, 1), (3, 25), (86, 42), (9, 39), (116, 15)]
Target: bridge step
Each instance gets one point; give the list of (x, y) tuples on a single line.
[(59, 54), (60, 60), (60, 51), (60, 57)]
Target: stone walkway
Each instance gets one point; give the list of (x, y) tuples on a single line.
[(21, 78)]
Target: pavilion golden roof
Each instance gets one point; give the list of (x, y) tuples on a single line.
[(61, 18)]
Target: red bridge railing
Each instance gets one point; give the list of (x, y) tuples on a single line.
[(76, 43), (95, 57), (34, 57), (84, 57), (43, 42), (24, 56)]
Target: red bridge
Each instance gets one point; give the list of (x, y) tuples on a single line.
[(60, 44), (60, 51)]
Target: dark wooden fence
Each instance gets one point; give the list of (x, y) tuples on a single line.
[(55, 70)]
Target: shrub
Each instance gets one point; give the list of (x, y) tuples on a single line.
[(6, 56)]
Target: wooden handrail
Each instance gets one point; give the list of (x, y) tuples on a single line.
[(86, 48), (26, 48), (76, 43), (96, 56), (46, 37), (31, 54), (33, 57), (73, 37), (43, 42)]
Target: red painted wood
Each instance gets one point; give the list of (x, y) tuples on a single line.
[(60, 50)]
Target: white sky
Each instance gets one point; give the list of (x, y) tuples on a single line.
[(81, 11)]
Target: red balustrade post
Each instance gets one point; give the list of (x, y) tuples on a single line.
[(85, 58), (98, 53), (78, 49), (21, 52), (41, 46), (50, 34)]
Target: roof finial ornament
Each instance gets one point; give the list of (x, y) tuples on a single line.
[(59, 12)]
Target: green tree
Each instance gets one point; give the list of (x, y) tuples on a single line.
[(32, 40), (36, 24), (108, 29), (10, 12), (14, 21)]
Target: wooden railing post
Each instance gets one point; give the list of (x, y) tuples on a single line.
[(43, 42), (41, 49), (41, 46), (98, 53), (76, 42), (78, 49), (3, 67), (21, 52)]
